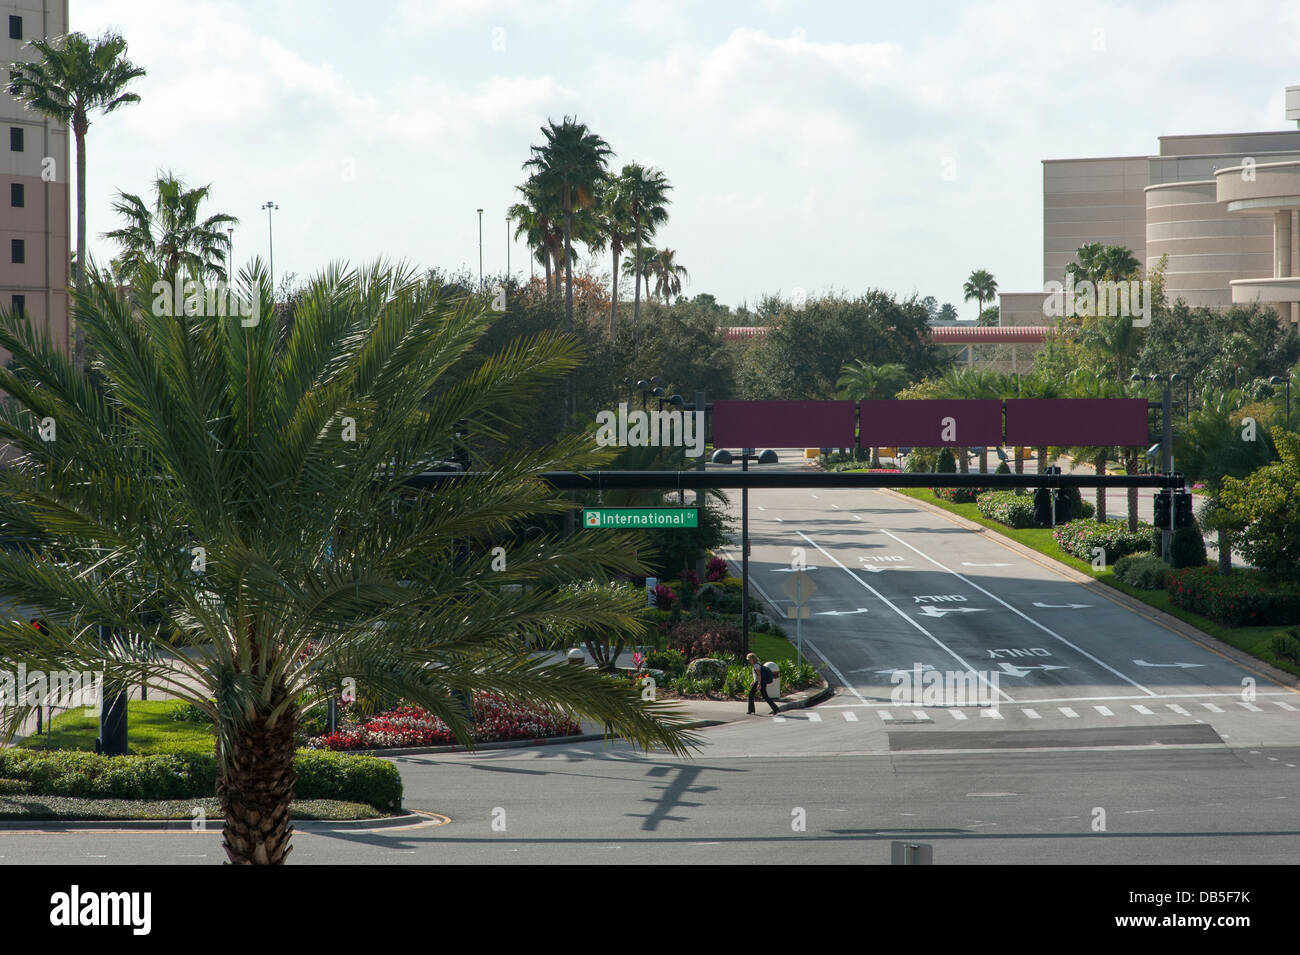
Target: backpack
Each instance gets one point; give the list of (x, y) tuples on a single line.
[(766, 673)]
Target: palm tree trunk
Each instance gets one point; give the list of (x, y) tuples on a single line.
[(1020, 460), (79, 125), (963, 466), (613, 296), (568, 262), (1099, 464), (1225, 552), (875, 456), (984, 461), (1130, 467), (636, 299), (546, 253), (256, 789)]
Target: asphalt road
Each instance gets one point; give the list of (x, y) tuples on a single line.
[(1109, 739)]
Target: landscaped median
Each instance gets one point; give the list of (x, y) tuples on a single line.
[(1243, 609)]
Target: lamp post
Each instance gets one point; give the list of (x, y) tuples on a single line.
[(230, 253), (1275, 380), (1167, 454), (480, 247), (270, 240), (507, 246)]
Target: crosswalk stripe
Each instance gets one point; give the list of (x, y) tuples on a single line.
[(957, 714), (1103, 710), (1032, 714), (1178, 709), (1068, 712), (1250, 706), (885, 715), (778, 719), (814, 717), (921, 715), (1212, 708), (991, 714), (1284, 705), (850, 716), (1142, 709)]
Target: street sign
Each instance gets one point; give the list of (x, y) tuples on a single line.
[(640, 518), (799, 586)]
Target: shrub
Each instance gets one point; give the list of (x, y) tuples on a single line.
[(1286, 645), (731, 585), (946, 463), (959, 495), (688, 687), (1187, 549), (1002, 468), (1243, 598), (665, 597), (708, 670), (715, 597), (1078, 538), (716, 569), (798, 676), (737, 681), (672, 662), (347, 776), (1007, 507), (705, 638), (1142, 571)]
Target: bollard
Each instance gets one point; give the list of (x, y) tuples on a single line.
[(576, 657)]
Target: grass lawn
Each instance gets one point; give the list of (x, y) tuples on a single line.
[(34, 808), (1252, 640), (150, 729)]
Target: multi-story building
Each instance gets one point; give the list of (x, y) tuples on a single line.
[(34, 193)]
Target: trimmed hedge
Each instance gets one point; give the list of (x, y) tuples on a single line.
[(1142, 571), (1187, 549), (1286, 644), (321, 775), (1007, 507), (1078, 538), (1241, 599), (959, 495)]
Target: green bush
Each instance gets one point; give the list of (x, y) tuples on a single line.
[(1007, 507), (959, 495), (688, 687), (1187, 549), (798, 676), (1142, 571), (1286, 644), (946, 463), (672, 662), (351, 777), (738, 679), (1080, 537), (321, 775), (1002, 468), (1244, 598)]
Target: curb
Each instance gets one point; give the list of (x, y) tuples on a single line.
[(187, 825), (508, 744), (1159, 617)]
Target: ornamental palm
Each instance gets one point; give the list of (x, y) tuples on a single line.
[(862, 381), (171, 237), (668, 274), (615, 215), (206, 478), (980, 286), (73, 78), (648, 200), (1084, 383)]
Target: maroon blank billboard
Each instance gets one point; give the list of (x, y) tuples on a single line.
[(783, 424), (931, 423), (1076, 422)]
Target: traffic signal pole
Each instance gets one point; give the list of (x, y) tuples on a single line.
[(1167, 457), (744, 559)]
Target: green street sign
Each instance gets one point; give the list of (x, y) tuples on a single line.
[(640, 518)]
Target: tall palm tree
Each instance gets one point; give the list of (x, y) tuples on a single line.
[(320, 560), (970, 383), (1084, 383), (531, 226), (668, 274), (861, 381), (171, 235), (74, 77), (1037, 385), (1116, 336), (640, 267), (615, 214), (648, 201), (980, 286)]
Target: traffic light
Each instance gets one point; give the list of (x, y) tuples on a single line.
[(1043, 507), (1183, 509), (1162, 502)]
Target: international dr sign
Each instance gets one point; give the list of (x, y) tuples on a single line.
[(640, 518)]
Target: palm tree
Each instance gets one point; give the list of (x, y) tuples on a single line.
[(531, 226), (668, 274), (980, 286), (73, 78), (615, 215), (1117, 337), (1037, 386), (970, 383), (319, 559), (648, 202), (640, 268), (1084, 383), (171, 235), (861, 381), (572, 165)]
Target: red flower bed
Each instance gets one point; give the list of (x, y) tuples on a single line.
[(1242, 599), (494, 719)]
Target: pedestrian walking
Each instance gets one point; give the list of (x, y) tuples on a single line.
[(762, 677)]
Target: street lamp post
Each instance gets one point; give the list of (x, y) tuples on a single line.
[(507, 246), (270, 240), (230, 253), (480, 247)]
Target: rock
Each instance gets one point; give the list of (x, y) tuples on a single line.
[(760, 622), (707, 668), (710, 594)]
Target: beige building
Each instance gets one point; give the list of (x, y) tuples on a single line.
[(34, 193)]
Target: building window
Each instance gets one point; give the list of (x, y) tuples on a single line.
[(16, 197), (17, 251), (20, 305), (15, 27), (15, 139)]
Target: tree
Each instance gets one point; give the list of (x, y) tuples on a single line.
[(615, 214), (1267, 504), (171, 237), (860, 381), (980, 286), (211, 483), (1084, 383), (74, 77), (648, 201), (668, 274), (947, 313)]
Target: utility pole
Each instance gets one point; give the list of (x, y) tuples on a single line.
[(480, 248), (270, 242)]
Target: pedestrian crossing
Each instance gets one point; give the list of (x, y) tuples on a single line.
[(937, 714)]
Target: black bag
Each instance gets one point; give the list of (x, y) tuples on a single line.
[(767, 675)]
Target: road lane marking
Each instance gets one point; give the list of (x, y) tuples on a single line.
[(1285, 706), (814, 717), (1068, 712), (1142, 709), (922, 715), (885, 715), (1031, 713), (957, 714), (1018, 613), (908, 617), (856, 518), (1212, 708), (778, 719), (850, 716), (1250, 706), (1178, 709), (1104, 710), (991, 714)]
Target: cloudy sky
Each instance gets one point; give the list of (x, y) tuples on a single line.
[(819, 146)]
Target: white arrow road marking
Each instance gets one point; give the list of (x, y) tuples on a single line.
[(1030, 620), (929, 610), (1012, 670), (840, 613), (967, 563), (855, 517), (791, 570), (1061, 606), (1185, 666), (924, 668)]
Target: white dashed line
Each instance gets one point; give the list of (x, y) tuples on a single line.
[(814, 717), (957, 714), (1285, 706), (922, 715), (1142, 709), (1103, 710), (850, 716), (1212, 708), (885, 715), (1250, 706), (778, 719), (1068, 712), (991, 714), (1178, 709), (1032, 714)]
